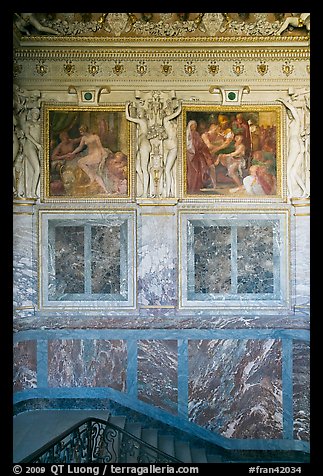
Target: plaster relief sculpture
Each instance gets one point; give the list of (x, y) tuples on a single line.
[(26, 143), (170, 151), (298, 145), (298, 20), (143, 148), (156, 153), (26, 20)]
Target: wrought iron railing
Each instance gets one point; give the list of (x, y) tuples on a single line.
[(96, 441)]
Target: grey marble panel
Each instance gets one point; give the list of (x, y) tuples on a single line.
[(303, 261), (212, 259), (105, 259), (235, 387), (234, 260), (255, 259), (87, 363), (24, 263), (301, 390), (68, 276), (24, 365), (157, 259), (87, 260), (157, 373)]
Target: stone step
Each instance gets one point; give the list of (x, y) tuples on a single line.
[(150, 436), (133, 447), (183, 451), (166, 444), (213, 458), (198, 455)]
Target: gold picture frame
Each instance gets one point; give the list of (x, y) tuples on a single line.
[(233, 152), (86, 153)]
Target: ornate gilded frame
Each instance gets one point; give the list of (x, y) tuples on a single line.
[(75, 185), (259, 117)]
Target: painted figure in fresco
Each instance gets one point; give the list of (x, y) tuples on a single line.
[(296, 152), (66, 146), (143, 148), (116, 173), (213, 138), (24, 20), (260, 181), (240, 126), (30, 123), (199, 159), (170, 150), (298, 20), (235, 162), (94, 159)]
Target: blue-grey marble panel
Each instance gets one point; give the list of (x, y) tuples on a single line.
[(87, 363), (301, 389), (157, 373), (235, 387), (24, 365)]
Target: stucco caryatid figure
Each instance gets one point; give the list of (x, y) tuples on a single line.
[(26, 143), (170, 149), (143, 147), (155, 114), (297, 107)]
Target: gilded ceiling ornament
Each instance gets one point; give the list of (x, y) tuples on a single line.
[(41, 68), (118, 68), (189, 68), (69, 67), (214, 22), (93, 68), (142, 68), (118, 23), (308, 68), (238, 68), (166, 68), (213, 67), (262, 68), (287, 68), (17, 68)]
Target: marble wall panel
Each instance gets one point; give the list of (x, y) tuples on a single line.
[(255, 273), (303, 261), (157, 259), (235, 387), (68, 275), (87, 363), (157, 373), (212, 259), (24, 265), (87, 260), (105, 259), (301, 389), (24, 365)]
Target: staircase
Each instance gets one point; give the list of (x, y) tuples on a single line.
[(130, 438), (177, 446)]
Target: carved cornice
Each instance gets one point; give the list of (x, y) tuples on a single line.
[(246, 53)]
